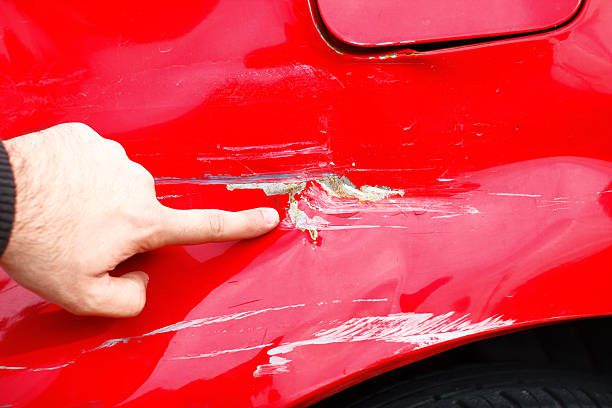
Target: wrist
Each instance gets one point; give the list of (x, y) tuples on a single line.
[(23, 160), (7, 197)]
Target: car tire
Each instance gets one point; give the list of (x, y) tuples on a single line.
[(489, 386)]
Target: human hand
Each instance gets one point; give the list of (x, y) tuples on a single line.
[(82, 207)]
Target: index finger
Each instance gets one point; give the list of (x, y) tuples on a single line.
[(185, 227)]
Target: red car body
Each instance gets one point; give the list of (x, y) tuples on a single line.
[(496, 215)]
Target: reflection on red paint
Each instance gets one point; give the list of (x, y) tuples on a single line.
[(502, 152)]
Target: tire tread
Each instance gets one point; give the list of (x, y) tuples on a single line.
[(493, 387)]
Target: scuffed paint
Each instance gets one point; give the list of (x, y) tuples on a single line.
[(370, 300), (416, 329), (326, 204), (297, 217), (272, 151), (302, 221), (36, 369), (313, 151), (333, 186), (332, 212), (277, 365), (270, 189), (165, 197), (221, 352), (419, 329), (516, 195), (323, 201), (185, 324), (57, 367), (447, 216), (341, 186), (422, 329), (193, 323), (3, 367), (225, 179)]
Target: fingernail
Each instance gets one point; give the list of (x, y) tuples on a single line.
[(270, 215)]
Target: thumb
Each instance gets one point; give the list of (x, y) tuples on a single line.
[(122, 296), (184, 227)]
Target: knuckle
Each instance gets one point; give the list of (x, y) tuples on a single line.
[(154, 239), (148, 179), (116, 147), (146, 229), (73, 132), (216, 226), (148, 239), (75, 127), (142, 173)]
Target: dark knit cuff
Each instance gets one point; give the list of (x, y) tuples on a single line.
[(7, 198)]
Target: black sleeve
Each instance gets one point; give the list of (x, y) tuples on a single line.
[(7, 198)]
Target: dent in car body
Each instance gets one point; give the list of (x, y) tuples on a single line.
[(334, 185)]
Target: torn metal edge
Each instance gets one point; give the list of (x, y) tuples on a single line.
[(333, 184)]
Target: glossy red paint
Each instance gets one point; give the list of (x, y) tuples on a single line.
[(503, 151), (365, 23)]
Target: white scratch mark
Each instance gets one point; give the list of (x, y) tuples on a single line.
[(370, 300), (269, 188), (277, 365), (317, 198), (169, 196), (273, 151), (418, 329), (17, 368), (279, 146), (221, 352), (57, 367), (516, 195), (448, 216), (408, 127), (196, 323)]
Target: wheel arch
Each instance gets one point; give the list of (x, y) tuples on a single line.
[(584, 348)]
